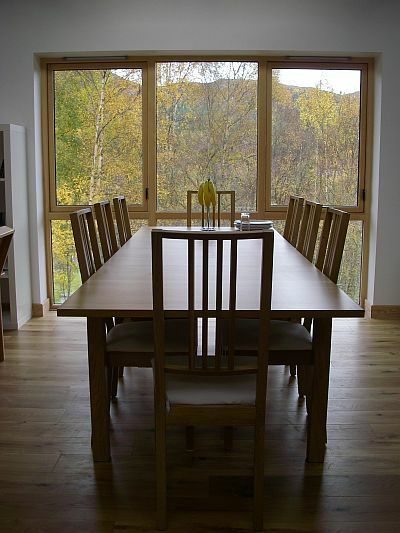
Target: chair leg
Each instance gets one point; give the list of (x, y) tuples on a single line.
[(293, 370), (189, 438), (161, 468), (258, 514), (302, 380), (1, 335), (114, 382), (109, 381), (228, 438)]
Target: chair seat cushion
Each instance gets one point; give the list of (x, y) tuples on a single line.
[(283, 335), (210, 390), (139, 337)]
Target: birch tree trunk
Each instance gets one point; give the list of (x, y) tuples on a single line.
[(97, 161)]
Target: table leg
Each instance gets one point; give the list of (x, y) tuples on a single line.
[(1, 335), (316, 437), (99, 400)]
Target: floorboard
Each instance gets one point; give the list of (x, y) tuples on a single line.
[(49, 483)]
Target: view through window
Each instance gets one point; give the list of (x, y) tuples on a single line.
[(315, 148), (98, 135), (206, 128), (315, 135), (265, 129)]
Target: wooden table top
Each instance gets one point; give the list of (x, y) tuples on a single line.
[(122, 286)]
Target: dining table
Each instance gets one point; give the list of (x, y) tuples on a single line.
[(122, 287)]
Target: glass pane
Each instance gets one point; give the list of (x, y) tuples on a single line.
[(206, 128), (137, 223), (171, 222), (315, 135), (66, 275), (98, 135), (350, 270)]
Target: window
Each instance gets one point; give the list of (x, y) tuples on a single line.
[(155, 128), (206, 128), (315, 134), (97, 120)]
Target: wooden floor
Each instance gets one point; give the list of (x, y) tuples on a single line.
[(48, 482)]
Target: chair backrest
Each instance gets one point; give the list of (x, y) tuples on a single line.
[(209, 258), (86, 243), (333, 237), (216, 210), (293, 217), (6, 235), (122, 218), (309, 229), (106, 229)]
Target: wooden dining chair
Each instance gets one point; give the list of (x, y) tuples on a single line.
[(216, 211), (293, 217), (127, 343), (329, 259), (86, 243), (290, 343), (106, 229), (6, 235), (122, 219), (213, 388), (331, 246), (307, 237)]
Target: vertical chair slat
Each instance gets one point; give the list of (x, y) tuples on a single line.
[(292, 224), (93, 239), (111, 228), (219, 207), (86, 244), (122, 219), (218, 304), (309, 229), (189, 208), (323, 243), (332, 242), (125, 216), (106, 229), (102, 226), (232, 302), (191, 304), (204, 320)]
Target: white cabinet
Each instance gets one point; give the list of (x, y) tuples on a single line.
[(15, 283)]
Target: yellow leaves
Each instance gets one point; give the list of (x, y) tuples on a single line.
[(318, 109)]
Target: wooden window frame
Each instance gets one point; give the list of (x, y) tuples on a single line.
[(51, 182), (353, 65)]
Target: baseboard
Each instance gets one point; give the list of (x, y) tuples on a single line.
[(388, 312), (39, 310)]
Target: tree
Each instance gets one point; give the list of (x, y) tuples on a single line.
[(206, 128)]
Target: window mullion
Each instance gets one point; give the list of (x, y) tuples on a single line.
[(152, 142), (262, 144)]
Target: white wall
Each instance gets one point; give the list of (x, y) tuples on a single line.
[(290, 26)]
